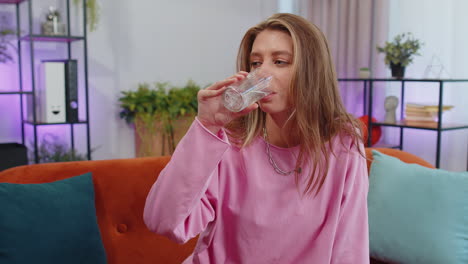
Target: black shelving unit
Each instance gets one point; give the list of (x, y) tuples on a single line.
[(31, 38), (368, 88)]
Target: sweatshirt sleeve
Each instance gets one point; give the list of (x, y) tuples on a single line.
[(182, 201), (351, 243)]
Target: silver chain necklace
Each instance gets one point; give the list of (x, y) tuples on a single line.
[(272, 161)]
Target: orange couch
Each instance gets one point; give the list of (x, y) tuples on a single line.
[(121, 187)]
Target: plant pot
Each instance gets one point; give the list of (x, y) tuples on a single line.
[(147, 140), (364, 73), (153, 142), (398, 71)]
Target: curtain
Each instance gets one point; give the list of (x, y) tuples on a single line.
[(353, 28)]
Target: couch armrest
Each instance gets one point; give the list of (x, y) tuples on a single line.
[(402, 155)]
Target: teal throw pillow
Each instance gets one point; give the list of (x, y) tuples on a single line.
[(50, 223), (417, 214)]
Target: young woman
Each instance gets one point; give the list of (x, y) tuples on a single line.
[(283, 181)]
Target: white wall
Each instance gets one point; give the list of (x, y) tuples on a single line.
[(149, 41), (441, 25)]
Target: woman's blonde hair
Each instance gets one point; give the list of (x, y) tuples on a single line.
[(314, 94)]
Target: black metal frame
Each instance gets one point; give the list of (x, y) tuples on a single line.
[(32, 38), (369, 84)]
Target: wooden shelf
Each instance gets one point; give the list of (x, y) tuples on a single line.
[(11, 1), (24, 12), (14, 92), (445, 126), (46, 38), (48, 124)]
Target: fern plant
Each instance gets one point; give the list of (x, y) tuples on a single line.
[(5, 44), (93, 12)]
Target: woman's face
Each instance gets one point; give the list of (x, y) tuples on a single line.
[(272, 52)]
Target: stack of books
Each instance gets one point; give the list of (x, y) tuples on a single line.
[(423, 114)]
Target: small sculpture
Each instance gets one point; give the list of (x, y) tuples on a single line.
[(53, 26), (391, 103)]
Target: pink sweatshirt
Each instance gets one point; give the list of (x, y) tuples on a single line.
[(245, 212)]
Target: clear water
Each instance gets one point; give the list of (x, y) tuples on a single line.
[(238, 98)]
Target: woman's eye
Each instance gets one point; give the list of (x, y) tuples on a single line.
[(255, 63), (280, 62)]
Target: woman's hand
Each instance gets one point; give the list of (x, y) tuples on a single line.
[(211, 111)]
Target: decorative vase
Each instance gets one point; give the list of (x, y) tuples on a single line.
[(376, 132), (398, 71), (52, 28), (53, 25), (364, 73)]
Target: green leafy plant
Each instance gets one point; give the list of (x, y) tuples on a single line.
[(5, 43), (93, 12), (401, 50), (157, 108), (52, 149)]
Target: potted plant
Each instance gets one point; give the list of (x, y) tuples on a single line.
[(52, 149), (400, 52), (161, 115), (92, 10), (5, 43)]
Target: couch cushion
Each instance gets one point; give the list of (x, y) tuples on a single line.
[(417, 214), (121, 187), (404, 156), (50, 222)]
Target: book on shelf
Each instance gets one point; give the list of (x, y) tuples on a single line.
[(430, 124), (421, 113), (427, 107), (420, 118)]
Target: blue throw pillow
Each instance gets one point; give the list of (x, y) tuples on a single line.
[(50, 223), (417, 214)]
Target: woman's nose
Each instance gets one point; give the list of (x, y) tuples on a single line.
[(264, 70), (265, 66)]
